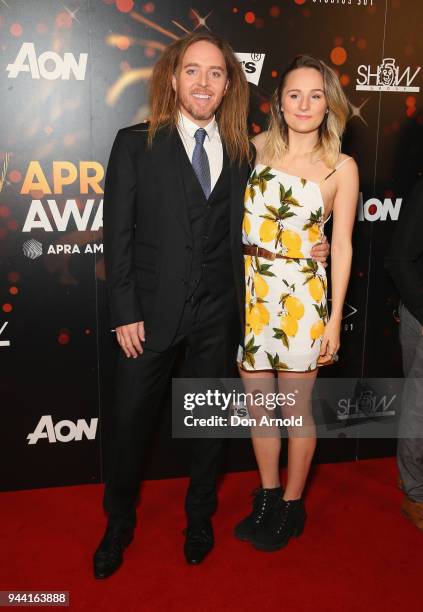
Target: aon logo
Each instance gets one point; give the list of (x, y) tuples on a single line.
[(49, 65), (63, 431)]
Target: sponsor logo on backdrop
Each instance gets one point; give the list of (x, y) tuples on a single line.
[(387, 77), (63, 431), (345, 2), (367, 404), (32, 249), (252, 63), (48, 65), (4, 342), (378, 210)]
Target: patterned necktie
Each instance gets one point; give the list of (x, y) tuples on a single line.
[(200, 162)]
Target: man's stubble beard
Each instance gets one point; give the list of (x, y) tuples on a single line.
[(205, 116)]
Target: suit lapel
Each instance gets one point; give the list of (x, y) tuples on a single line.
[(169, 158)]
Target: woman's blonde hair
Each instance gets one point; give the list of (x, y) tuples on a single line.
[(332, 127), (232, 113)]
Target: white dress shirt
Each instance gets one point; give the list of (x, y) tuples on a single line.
[(212, 144)]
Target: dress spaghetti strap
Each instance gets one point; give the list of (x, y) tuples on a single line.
[(335, 169)]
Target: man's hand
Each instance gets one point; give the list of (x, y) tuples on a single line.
[(130, 338), (320, 252)]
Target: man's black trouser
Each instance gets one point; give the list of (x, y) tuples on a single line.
[(209, 333)]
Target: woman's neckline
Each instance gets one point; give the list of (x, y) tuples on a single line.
[(302, 178)]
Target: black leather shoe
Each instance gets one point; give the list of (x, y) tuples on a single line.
[(109, 555), (264, 500), (199, 541), (286, 520)]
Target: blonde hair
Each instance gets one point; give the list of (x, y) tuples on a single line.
[(231, 116), (332, 127)]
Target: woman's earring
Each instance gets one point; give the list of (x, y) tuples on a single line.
[(327, 111)]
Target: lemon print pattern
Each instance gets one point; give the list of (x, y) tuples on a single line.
[(286, 302)]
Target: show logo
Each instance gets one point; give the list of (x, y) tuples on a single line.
[(49, 65), (367, 404), (387, 77), (252, 64), (376, 210), (63, 431)]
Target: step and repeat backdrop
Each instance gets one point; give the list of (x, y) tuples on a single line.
[(71, 74)]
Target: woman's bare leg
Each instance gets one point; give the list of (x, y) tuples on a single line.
[(302, 440), (266, 440)]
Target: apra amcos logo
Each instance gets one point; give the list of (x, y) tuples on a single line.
[(252, 64), (63, 431), (49, 65), (387, 77), (378, 210)]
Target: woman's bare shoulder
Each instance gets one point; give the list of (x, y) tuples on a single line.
[(343, 159)]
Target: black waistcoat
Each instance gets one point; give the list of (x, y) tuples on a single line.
[(211, 267)]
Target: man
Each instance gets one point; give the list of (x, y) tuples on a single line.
[(173, 208), (404, 261)]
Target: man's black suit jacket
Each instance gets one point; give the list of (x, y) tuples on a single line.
[(147, 241)]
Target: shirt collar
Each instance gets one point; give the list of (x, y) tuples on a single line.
[(188, 127)]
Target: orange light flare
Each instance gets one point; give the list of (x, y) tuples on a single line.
[(13, 290), (64, 20), (123, 42), (126, 80), (249, 17), (15, 176), (149, 8), (410, 103), (16, 29), (275, 11), (14, 277), (7, 307), (63, 337), (155, 26), (125, 6), (338, 56)]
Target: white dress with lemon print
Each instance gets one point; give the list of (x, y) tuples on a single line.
[(286, 309)]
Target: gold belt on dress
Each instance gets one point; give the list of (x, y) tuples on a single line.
[(256, 251)]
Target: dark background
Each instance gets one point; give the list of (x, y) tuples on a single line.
[(61, 354)]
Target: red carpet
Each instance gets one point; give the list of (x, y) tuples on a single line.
[(357, 551)]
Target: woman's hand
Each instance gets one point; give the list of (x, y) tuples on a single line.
[(330, 341)]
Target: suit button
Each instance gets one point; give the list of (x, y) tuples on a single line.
[(188, 247), (205, 237)]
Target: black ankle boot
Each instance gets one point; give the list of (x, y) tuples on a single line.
[(264, 501), (287, 519)]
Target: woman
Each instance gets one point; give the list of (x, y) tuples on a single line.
[(300, 178)]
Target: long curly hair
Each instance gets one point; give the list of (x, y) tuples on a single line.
[(334, 122), (231, 116)]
